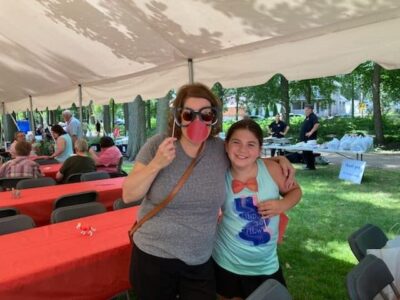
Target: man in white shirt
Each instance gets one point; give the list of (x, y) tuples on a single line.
[(73, 128)]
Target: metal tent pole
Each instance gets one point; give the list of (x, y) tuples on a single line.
[(190, 67), (31, 113)]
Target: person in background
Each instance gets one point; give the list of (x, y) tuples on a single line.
[(79, 163), (245, 250), (73, 125), (98, 128), (308, 132), (21, 165), (63, 148), (171, 253), (18, 137), (278, 129), (108, 158)]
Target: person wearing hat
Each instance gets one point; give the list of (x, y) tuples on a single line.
[(308, 132)]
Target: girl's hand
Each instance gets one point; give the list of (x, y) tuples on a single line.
[(270, 208), (166, 153)]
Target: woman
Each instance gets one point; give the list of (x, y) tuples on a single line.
[(79, 163), (171, 254), (245, 248), (63, 147), (108, 158)]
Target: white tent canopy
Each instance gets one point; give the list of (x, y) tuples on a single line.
[(124, 48)]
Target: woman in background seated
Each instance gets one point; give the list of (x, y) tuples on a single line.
[(64, 147), (79, 163), (108, 158)]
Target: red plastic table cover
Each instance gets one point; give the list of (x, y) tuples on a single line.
[(50, 170), (38, 202), (58, 262)]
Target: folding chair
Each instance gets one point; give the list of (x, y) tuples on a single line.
[(367, 237), (35, 182), (76, 211), (270, 289), (74, 199), (47, 161), (368, 278), (76, 177), (15, 223), (8, 212), (10, 183), (94, 176)]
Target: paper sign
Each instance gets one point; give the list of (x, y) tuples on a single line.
[(352, 170)]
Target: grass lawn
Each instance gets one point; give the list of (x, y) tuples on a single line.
[(315, 254)]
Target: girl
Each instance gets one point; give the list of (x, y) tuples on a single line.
[(245, 251)]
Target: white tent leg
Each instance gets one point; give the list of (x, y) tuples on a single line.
[(190, 67)]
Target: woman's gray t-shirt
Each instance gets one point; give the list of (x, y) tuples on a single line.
[(186, 228)]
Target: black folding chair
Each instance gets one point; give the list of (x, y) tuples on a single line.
[(270, 289), (35, 182), (369, 278), (74, 199), (76, 211), (15, 223), (94, 176)]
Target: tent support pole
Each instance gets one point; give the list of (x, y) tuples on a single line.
[(190, 67), (31, 113), (3, 114), (80, 102)]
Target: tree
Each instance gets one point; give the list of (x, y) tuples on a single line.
[(376, 82), (284, 87), (137, 127), (162, 114), (106, 119)]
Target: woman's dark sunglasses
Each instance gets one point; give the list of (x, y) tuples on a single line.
[(206, 114)]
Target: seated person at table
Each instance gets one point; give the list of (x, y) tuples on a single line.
[(63, 147), (21, 166), (18, 136), (79, 163), (108, 158)]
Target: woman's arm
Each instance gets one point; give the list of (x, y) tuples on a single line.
[(94, 156), (60, 147), (291, 195), (287, 170), (138, 182)]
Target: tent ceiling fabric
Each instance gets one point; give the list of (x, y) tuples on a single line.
[(124, 48)]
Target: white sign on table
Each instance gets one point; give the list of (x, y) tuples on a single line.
[(352, 170)]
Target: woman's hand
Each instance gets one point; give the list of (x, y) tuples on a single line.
[(288, 171), (270, 208), (166, 153)]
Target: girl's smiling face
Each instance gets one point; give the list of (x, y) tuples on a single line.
[(243, 148)]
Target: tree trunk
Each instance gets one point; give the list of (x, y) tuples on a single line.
[(237, 106), (126, 117), (162, 114), (376, 100), (9, 127), (352, 96), (137, 127), (285, 98), (308, 92), (148, 115), (106, 119), (113, 114)]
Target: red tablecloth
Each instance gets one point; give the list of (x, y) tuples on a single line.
[(50, 170), (57, 262), (38, 202)]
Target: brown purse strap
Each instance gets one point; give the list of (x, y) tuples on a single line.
[(170, 196)]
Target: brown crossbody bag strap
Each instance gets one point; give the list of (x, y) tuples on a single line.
[(167, 199)]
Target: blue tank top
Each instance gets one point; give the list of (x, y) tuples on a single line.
[(68, 150), (246, 243)]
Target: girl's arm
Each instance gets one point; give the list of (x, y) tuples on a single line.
[(286, 169)]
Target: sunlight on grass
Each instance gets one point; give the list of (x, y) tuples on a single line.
[(335, 249)]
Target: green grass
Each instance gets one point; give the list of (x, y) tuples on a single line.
[(315, 255)]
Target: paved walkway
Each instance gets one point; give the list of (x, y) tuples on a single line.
[(376, 160)]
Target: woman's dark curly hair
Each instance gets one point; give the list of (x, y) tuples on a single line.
[(106, 142)]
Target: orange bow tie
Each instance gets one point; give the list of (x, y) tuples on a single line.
[(238, 185)]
